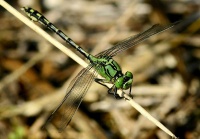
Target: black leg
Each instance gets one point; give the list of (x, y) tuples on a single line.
[(101, 82), (130, 95), (113, 91)]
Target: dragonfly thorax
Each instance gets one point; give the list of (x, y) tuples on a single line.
[(107, 68), (111, 71)]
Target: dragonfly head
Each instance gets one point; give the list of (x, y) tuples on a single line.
[(125, 81)]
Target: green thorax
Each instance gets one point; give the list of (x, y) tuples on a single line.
[(106, 67)]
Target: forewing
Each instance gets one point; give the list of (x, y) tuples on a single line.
[(134, 40), (75, 94)]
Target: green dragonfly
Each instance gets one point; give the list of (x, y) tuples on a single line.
[(101, 64)]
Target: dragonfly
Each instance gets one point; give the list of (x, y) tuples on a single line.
[(102, 64)]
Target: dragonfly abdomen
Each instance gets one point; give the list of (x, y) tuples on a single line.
[(37, 17)]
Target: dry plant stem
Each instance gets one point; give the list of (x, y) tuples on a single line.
[(148, 116), (80, 61)]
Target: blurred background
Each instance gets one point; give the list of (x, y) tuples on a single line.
[(34, 75)]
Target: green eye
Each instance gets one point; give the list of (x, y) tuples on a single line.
[(127, 84), (129, 74)]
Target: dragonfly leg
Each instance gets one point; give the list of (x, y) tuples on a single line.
[(101, 82), (112, 90), (130, 95)]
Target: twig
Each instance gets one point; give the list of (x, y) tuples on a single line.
[(148, 116)]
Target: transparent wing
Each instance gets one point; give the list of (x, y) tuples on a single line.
[(75, 93), (133, 40)]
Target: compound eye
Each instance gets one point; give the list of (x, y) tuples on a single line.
[(129, 75), (128, 84), (128, 79)]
